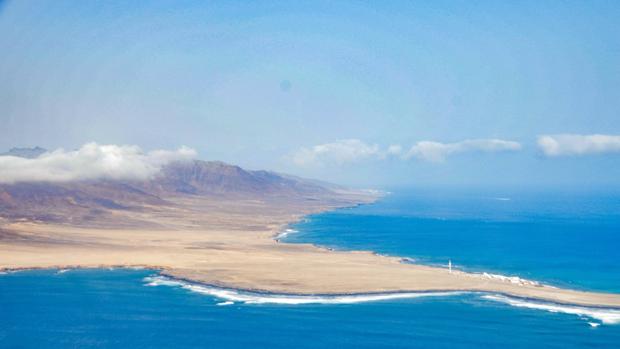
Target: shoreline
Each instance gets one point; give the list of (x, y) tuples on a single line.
[(260, 292), (420, 292), (254, 260), (161, 271)]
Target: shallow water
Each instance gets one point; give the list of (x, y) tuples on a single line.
[(555, 239)]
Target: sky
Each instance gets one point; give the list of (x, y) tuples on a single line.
[(377, 94)]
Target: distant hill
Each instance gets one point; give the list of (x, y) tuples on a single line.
[(218, 178), (81, 201), (29, 153)]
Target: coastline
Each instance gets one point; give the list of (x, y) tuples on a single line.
[(261, 292), (594, 316), (253, 260)]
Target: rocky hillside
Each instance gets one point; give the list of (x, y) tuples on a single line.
[(91, 200), (218, 178)]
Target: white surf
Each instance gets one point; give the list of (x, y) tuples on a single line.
[(265, 298), (606, 316)]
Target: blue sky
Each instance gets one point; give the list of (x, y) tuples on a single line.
[(259, 83)]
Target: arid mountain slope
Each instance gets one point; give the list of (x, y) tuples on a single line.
[(97, 201), (218, 178)]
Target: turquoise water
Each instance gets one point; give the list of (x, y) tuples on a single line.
[(559, 239), (564, 239)]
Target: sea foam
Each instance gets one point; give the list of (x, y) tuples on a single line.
[(232, 295), (606, 316), (285, 233)]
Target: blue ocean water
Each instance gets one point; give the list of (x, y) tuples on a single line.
[(568, 239), (563, 239)]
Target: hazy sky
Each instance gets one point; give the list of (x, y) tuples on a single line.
[(368, 93)]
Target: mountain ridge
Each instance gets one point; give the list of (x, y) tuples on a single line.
[(84, 201), (25, 152)]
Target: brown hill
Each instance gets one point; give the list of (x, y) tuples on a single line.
[(218, 178), (85, 202)]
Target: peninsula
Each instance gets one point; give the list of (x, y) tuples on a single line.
[(215, 223)]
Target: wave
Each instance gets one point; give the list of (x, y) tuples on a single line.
[(285, 233), (231, 296), (606, 316), (245, 297)]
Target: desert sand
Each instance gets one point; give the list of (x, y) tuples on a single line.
[(230, 243)]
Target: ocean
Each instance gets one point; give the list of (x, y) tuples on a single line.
[(558, 238)]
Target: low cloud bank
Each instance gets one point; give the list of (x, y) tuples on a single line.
[(91, 161), (438, 152), (354, 150), (572, 144), (339, 152)]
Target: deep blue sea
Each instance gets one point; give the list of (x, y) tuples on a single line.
[(559, 238)]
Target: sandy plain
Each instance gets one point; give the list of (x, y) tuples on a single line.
[(230, 243)]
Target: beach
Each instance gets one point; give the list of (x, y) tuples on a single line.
[(232, 244)]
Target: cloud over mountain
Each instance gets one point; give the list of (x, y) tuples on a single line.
[(573, 144), (91, 161)]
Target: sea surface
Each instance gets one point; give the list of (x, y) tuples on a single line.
[(558, 238)]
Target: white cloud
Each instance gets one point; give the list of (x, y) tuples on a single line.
[(394, 149), (91, 161), (571, 144), (353, 150), (339, 152), (438, 152)]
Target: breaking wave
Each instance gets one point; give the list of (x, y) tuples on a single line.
[(285, 233), (606, 316), (232, 295)]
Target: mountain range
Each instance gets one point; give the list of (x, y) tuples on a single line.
[(81, 202)]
